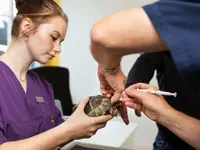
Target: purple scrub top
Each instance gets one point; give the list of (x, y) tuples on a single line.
[(23, 115)]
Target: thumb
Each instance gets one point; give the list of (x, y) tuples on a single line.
[(140, 96), (116, 96), (83, 103)]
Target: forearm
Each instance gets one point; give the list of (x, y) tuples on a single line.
[(105, 58), (48, 140), (186, 127), (122, 33)]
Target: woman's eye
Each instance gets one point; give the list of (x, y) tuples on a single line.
[(53, 38)]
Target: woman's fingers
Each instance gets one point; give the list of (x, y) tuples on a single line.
[(102, 119), (99, 126)]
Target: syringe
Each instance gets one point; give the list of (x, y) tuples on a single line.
[(158, 92)]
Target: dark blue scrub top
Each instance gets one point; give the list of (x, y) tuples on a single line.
[(178, 24)]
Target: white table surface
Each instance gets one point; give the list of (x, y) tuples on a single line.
[(113, 136)]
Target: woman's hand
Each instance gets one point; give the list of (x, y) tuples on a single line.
[(82, 126)]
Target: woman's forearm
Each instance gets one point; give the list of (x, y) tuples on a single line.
[(186, 127), (48, 140)]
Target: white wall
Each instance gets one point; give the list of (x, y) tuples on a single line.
[(76, 54)]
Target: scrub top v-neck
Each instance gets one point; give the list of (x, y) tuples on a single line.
[(25, 114)]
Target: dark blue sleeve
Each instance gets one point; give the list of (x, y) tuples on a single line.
[(177, 22), (144, 67)]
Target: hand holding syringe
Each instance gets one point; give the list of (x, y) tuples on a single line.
[(158, 92)]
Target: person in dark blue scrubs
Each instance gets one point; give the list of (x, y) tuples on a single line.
[(172, 25), (29, 118), (169, 80)]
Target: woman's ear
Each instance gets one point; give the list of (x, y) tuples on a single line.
[(26, 26)]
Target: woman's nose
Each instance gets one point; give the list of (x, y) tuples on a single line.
[(57, 48)]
